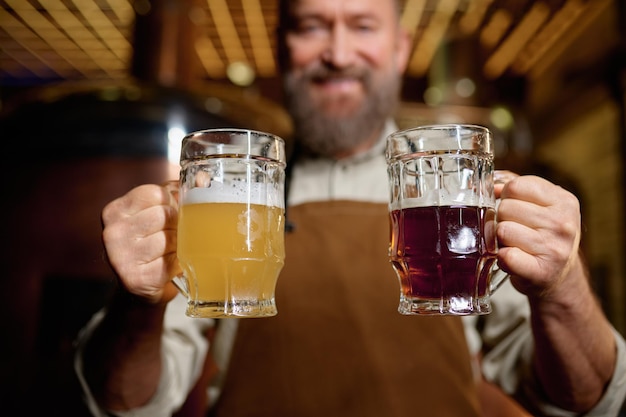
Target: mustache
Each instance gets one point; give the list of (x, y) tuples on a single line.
[(320, 73)]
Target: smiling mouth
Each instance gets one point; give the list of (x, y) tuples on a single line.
[(328, 78), (338, 84)]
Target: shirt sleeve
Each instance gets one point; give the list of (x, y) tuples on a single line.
[(610, 403), (507, 347), (184, 350)]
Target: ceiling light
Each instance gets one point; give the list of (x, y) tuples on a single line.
[(240, 73)]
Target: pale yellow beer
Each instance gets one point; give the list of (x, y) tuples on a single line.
[(233, 252), (231, 249)]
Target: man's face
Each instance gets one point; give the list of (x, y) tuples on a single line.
[(345, 62)]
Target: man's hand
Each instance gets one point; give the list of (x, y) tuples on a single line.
[(539, 235), (140, 240)]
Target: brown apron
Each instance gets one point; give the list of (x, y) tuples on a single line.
[(338, 346)]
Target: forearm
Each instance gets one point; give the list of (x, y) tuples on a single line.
[(122, 359), (575, 351)]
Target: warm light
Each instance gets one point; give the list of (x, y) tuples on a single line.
[(433, 96), (226, 28), (515, 42), (240, 73), (465, 87), (471, 20), (432, 36), (259, 37), (501, 118), (495, 28)]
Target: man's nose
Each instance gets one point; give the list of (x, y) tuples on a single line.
[(340, 51)]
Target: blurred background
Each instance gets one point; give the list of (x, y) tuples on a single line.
[(95, 96)]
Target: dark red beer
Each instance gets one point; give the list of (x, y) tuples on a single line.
[(443, 252)]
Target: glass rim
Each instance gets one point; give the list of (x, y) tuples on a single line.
[(252, 132), (219, 138), (412, 141), (442, 126)]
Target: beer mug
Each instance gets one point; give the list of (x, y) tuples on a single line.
[(442, 213), (231, 222)]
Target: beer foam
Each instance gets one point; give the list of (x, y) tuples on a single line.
[(235, 192), (443, 198)]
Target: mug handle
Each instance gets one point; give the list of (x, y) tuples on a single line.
[(179, 281), (498, 277)]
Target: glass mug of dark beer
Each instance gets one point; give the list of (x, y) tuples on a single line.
[(231, 222), (442, 212)]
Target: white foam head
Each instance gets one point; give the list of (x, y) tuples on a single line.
[(235, 192), (443, 197)]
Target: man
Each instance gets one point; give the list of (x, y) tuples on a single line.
[(338, 346)]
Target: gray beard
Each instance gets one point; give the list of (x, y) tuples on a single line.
[(326, 135)]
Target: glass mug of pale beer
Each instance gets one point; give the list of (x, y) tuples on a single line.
[(442, 213), (231, 222)]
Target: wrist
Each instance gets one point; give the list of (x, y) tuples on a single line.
[(135, 311), (571, 293)]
